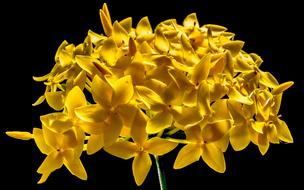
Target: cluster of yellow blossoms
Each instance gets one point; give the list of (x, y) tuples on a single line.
[(181, 84)]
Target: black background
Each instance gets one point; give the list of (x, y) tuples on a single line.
[(31, 33)]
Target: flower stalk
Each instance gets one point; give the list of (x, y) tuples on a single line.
[(160, 174)]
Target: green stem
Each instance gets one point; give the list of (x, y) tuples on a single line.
[(161, 175)]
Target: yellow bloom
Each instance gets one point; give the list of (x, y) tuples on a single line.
[(105, 119), (64, 69), (61, 149), (140, 148), (63, 121), (201, 143)]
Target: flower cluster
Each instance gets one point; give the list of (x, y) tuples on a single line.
[(135, 92)]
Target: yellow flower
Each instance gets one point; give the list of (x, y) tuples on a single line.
[(201, 142), (268, 127), (64, 69), (61, 149), (140, 148), (63, 121), (105, 119)]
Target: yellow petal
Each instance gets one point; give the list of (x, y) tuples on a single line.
[(229, 68), (112, 130), (257, 59), (223, 143), (190, 98), (189, 116), (239, 137), (159, 73), (236, 111), (158, 146), (128, 113), (217, 91), (216, 130), (41, 78), (74, 165), (277, 103), (52, 139), (214, 157), (201, 70), (95, 143), (283, 132), (91, 127), (234, 46), (253, 135), (65, 57), (143, 27), (194, 134), (44, 177), (145, 48), (210, 35), (80, 80), (180, 79), (160, 121), (172, 95), (40, 142), (187, 155), (80, 138), (91, 113), (138, 128), (215, 28), (75, 99), (95, 38), (119, 34), (122, 91), (220, 109), (132, 47), (106, 22), (237, 96), (19, 135), (242, 66), (58, 122), (181, 66), (263, 143), (69, 139), (282, 87), (148, 96), (39, 100), (106, 11), (258, 126), (122, 149), (268, 80), (109, 51), (55, 100), (141, 166), (125, 132), (191, 21), (161, 42), (102, 92), (203, 99), (155, 85), (272, 134), (127, 24), (61, 47), (51, 163), (86, 63)]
